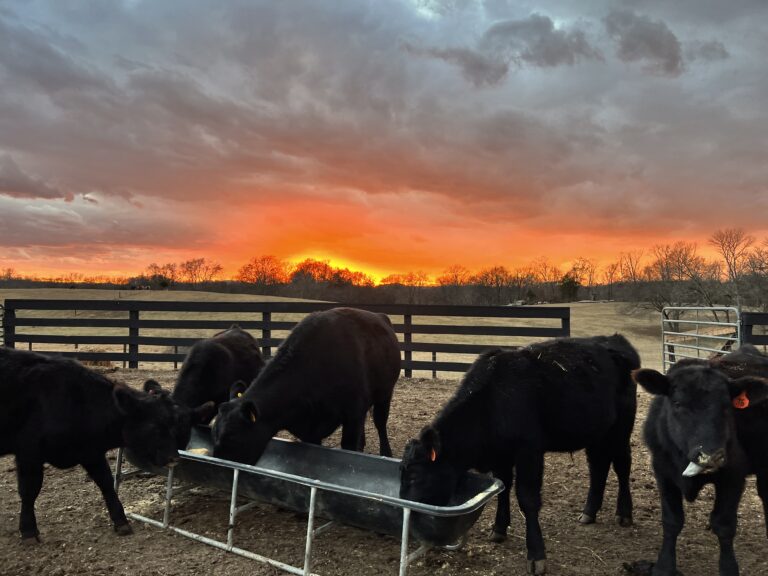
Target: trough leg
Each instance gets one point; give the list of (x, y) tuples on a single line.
[(99, 471), (310, 532), (404, 542), (30, 481)]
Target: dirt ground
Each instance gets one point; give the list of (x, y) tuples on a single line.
[(78, 539)]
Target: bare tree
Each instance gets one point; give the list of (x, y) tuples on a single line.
[(496, 280), (733, 245), (629, 266), (263, 271), (453, 284), (584, 271), (610, 275), (199, 270)]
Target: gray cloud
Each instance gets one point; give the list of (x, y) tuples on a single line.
[(16, 183), (246, 102), (537, 42), (478, 68), (640, 39), (708, 51)]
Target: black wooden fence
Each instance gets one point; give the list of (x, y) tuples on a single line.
[(750, 321), (128, 321)]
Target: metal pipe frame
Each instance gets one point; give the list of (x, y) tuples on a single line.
[(669, 349), (405, 558)]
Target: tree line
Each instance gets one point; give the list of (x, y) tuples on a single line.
[(671, 274)]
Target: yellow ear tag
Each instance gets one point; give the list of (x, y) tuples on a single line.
[(239, 394), (432, 455)]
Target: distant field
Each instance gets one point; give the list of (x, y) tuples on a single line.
[(587, 319)]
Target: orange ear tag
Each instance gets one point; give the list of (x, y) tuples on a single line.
[(741, 401), (432, 455)]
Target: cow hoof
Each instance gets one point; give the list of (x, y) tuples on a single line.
[(498, 537), (537, 567), (624, 521), (30, 539), (586, 519), (123, 529)]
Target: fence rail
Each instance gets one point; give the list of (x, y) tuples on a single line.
[(134, 326)]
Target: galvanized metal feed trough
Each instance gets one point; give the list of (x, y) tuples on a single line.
[(349, 487)]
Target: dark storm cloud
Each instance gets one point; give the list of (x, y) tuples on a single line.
[(501, 113), (537, 42), (641, 39), (16, 183), (533, 41)]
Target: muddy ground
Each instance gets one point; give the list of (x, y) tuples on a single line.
[(78, 539)]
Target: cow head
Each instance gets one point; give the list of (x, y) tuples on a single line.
[(697, 411), (239, 432), (185, 417), (425, 476), (150, 425)]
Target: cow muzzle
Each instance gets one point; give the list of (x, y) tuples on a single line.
[(705, 463)]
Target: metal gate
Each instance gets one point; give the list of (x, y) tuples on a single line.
[(698, 332)]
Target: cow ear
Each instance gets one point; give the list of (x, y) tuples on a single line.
[(430, 439), (748, 391), (250, 412), (126, 400), (152, 387), (653, 381), (237, 389), (204, 413)]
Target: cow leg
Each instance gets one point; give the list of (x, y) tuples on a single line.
[(530, 471), (599, 459), (99, 471), (723, 521), (352, 434), (672, 520), (502, 521), (380, 417), (622, 466), (762, 491), (30, 480)]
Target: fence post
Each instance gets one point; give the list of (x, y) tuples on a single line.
[(407, 340), (133, 339), (266, 334), (9, 327), (746, 330), (434, 361)]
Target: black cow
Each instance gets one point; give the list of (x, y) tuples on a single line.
[(328, 372), (213, 365), (512, 407), (704, 427), (55, 410)]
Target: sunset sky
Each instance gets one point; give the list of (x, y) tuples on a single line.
[(387, 136)]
